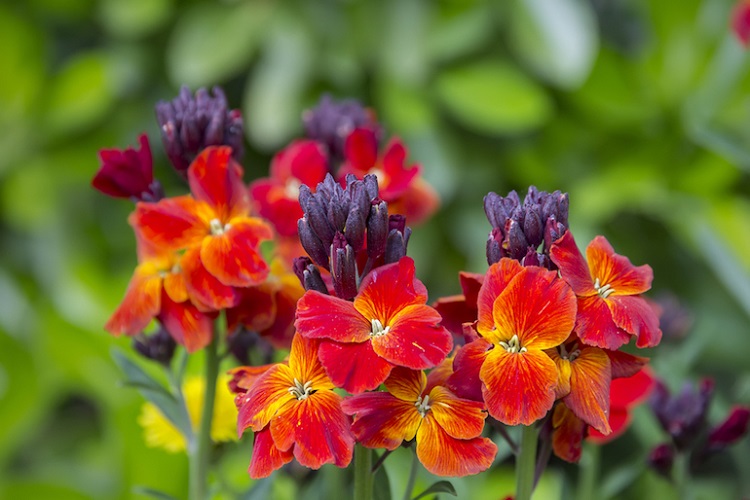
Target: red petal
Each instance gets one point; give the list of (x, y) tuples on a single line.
[(268, 395), (440, 374), (361, 150), (141, 303), (634, 315), (629, 391), (417, 203), (616, 270), (381, 420), (216, 179), (573, 268), (568, 434), (273, 204), (443, 455), (172, 223), (305, 160), (536, 306), (175, 286), (471, 283), (594, 324), (619, 420), (414, 339), (624, 364), (204, 286), (465, 381), (496, 280), (266, 457), (741, 22), (325, 316), (233, 257), (186, 324), (388, 289), (353, 367), (519, 388), (397, 177), (125, 173), (405, 384), (460, 418), (589, 388), (454, 312), (256, 309)]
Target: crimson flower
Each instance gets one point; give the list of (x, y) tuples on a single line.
[(387, 325), (128, 173), (609, 288)]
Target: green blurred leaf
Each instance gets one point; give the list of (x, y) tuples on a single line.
[(212, 42), (260, 489), (493, 97), (382, 485), (556, 38), (453, 36), (439, 487), (134, 18), (150, 492)]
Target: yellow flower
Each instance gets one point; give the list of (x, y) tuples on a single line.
[(159, 432)]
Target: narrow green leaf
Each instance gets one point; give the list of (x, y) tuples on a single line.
[(150, 492), (260, 490), (439, 487), (382, 486)]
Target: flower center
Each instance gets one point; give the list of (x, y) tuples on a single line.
[(604, 291), (513, 345), (570, 356), (422, 405), (291, 189), (377, 328), (300, 390), (217, 228)]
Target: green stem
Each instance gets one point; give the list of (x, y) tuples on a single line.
[(363, 477), (201, 447), (412, 476), (681, 475), (589, 472), (526, 463)]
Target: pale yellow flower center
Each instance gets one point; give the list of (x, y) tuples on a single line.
[(513, 345), (217, 228), (377, 328), (423, 405), (291, 189), (301, 391), (604, 291)]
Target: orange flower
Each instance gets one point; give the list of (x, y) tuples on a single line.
[(214, 229), (447, 428), (294, 412)]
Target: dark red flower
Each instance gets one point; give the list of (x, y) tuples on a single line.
[(128, 173)]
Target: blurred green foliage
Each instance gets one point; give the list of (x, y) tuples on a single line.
[(640, 110)]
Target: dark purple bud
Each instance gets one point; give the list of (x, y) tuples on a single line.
[(493, 209), (517, 244), (661, 459), (318, 220), (343, 268), (397, 222), (682, 416), (128, 173), (371, 186), (358, 194), (309, 275), (553, 231), (355, 229), (377, 230), (532, 258), (533, 228), (396, 245), (495, 250), (731, 430), (159, 347), (563, 204), (338, 210), (312, 244)]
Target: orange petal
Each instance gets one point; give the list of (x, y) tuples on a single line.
[(594, 324), (385, 291), (405, 384), (266, 456), (616, 270), (634, 315), (186, 324), (443, 455), (382, 420), (619, 420), (563, 373), (417, 203), (536, 306), (233, 257), (465, 381), (590, 377), (353, 367), (495, 281), (172, 223), (216, 180), (460, 418), (140, 305), (325, 316), (243, 377), (267, 396), (440, 374), (573, 267), (519, 388), (203, 286), (567, 435), (304, 363), (175, 286)]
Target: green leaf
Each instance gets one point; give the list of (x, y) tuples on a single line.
[(382, 485), (212, 42), (557, 39), (439, 487), (150, 492), (260, 490), (134, 18), (493, 97), (154, 392)]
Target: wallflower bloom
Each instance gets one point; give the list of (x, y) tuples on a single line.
[(214, 229), (447, 428), (609, 288), (128, 173), (294, 412), (387, 325)]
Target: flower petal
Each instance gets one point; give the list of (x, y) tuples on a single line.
[(443, 455), (382, 420), (305, 160), (304, 363), (353, 367), (440, 374), (233, 257), (204, 286), (624, 364), (563, 373), (465, 381), (619, 420), (590, 377), (405, 384), (495, 281), (216, 180), (415, 340), (266, 397), (630, 391), (256, 309), (616, 270), (573, 267), (172, 223), (635, 316), (175, 286), (322, 316), (417, 203), (266, 456), (567, 435), (460, 418), (361, 149), (186, 324), (519, 388), (388, 289), (141, 303), (536, 306), (594, 324)]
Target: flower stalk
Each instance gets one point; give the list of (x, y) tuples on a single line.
[(526, 462), (363, 476)]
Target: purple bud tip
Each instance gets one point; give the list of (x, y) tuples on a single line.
[(661, 459)]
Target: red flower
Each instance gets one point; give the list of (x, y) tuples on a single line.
[(214, 229), (609, 288), (128, 173), (277, 197), (741, 21), (387, 325), (294, 412), (458, 310), (624, 395), (447, 428)]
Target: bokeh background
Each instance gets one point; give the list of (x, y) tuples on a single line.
[(640, 110)]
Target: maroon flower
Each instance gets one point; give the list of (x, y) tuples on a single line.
[(731, 430), (741, 22), (128, 173)]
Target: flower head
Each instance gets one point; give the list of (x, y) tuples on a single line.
[(683, 415), (128, 173)]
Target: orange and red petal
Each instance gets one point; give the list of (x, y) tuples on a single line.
[(619, 420), (273, 204), (203, 286), (186, 324), (361, 150), (216, 180), (595, 326), (382, 420), (444, 455), (567, 434), (573, 267), (590, 377), (460, 418), (141, 303), (255, 310), (175, 286), (266, 456), (388, 289), (353, 367), (267, 396), (415, 339), (327, 317), (172, 223), (465, 381), (398, 177), (440, 374), (233, 257), (304, 363), (634, 315), (536, 306), (616, 270), (406, 384), (563, 373), (243, 377), (518, 388), (495, 281), (304, 160)]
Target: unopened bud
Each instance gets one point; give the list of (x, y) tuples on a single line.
[(343, 268), (159, 346), (312, 244), (377, 229)]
